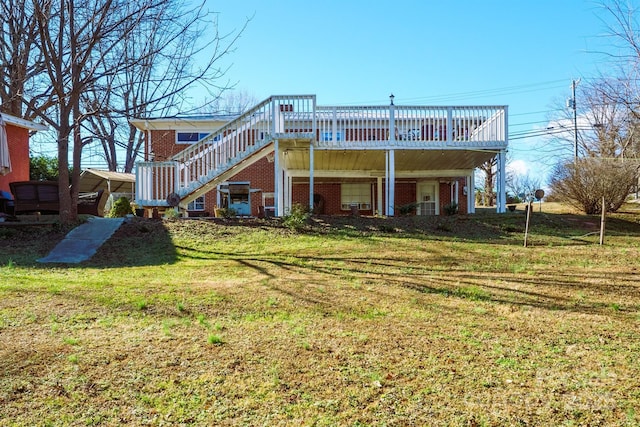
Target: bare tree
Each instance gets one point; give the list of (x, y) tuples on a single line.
[(75, 38), (488, 168), (585, 182), (608, 123), (522, 185), (20, 59), (161, 56), (233, 102), (85, 67)]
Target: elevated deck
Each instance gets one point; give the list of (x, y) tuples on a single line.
[(283, 122)]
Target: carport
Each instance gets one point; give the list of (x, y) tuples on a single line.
[(117, 184)]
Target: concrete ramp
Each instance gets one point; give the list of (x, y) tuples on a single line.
[(82, 242)]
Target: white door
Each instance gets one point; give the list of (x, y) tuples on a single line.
[(427, 198)]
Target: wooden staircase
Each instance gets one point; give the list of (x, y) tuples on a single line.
[(225, 152)]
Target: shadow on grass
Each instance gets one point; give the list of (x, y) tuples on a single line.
[(138, 242), (571, 288), (438, 271), (503, 229)]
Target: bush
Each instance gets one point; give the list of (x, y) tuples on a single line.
[(584, 182), (171, 214), (514, 200), (225, 213), (451, 208), (408, 209), (297, 217), (121, 208)]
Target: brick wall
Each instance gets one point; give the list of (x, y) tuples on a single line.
[(445, 195), (163, 144), (18, 141), (261, 176), (328, 193), (405, 193)]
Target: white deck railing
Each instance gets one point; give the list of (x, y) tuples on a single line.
[(414, 127), (278, 117), (298, 117)]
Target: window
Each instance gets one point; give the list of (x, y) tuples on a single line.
[(196, 205), (355, 194), (190, 137)]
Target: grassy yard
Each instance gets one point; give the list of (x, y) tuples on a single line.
[(351, 321)]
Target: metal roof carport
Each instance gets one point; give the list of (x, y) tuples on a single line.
[(92, 180)]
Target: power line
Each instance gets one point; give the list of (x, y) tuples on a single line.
[(508, 90)]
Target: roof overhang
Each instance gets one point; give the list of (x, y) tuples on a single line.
[(182, 123), (22, 123)]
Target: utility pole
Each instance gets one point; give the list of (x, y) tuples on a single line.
[(574, 83)]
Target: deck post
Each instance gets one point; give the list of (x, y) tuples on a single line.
[(311, 176), (379, 201), (176, 180), (391, 161), (277, 181), (471, 193), (501, 198), (449, 132), (334, 127), (391, 181)]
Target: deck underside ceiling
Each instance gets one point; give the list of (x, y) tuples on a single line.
[(405, 160)]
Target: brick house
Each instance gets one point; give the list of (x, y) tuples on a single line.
[(18, 132), (385, 160)]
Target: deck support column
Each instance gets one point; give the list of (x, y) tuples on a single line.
[(379, 197), (390, 171), (278, 198), (311, 176), (391, 181), (471, 193), (501, 197)]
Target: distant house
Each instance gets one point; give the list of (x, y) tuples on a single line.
[(337, 160), (18, 132)]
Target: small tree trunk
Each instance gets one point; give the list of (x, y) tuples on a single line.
[(602, 219)]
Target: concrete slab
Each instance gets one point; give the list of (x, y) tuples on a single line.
[(82, 242)]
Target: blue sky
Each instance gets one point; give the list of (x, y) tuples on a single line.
[(523, 54)]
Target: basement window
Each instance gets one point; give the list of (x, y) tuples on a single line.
[(355, 194)]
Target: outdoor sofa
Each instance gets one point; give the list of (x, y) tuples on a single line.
[(42, 196), (35, 196)]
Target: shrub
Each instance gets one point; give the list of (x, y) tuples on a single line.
[(451, 208), (171, 214), (121, 208), (584, 182), (408, 209), (513, 200), (226, 213), (297, 217)]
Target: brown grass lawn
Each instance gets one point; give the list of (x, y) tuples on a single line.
[(350, 321)]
